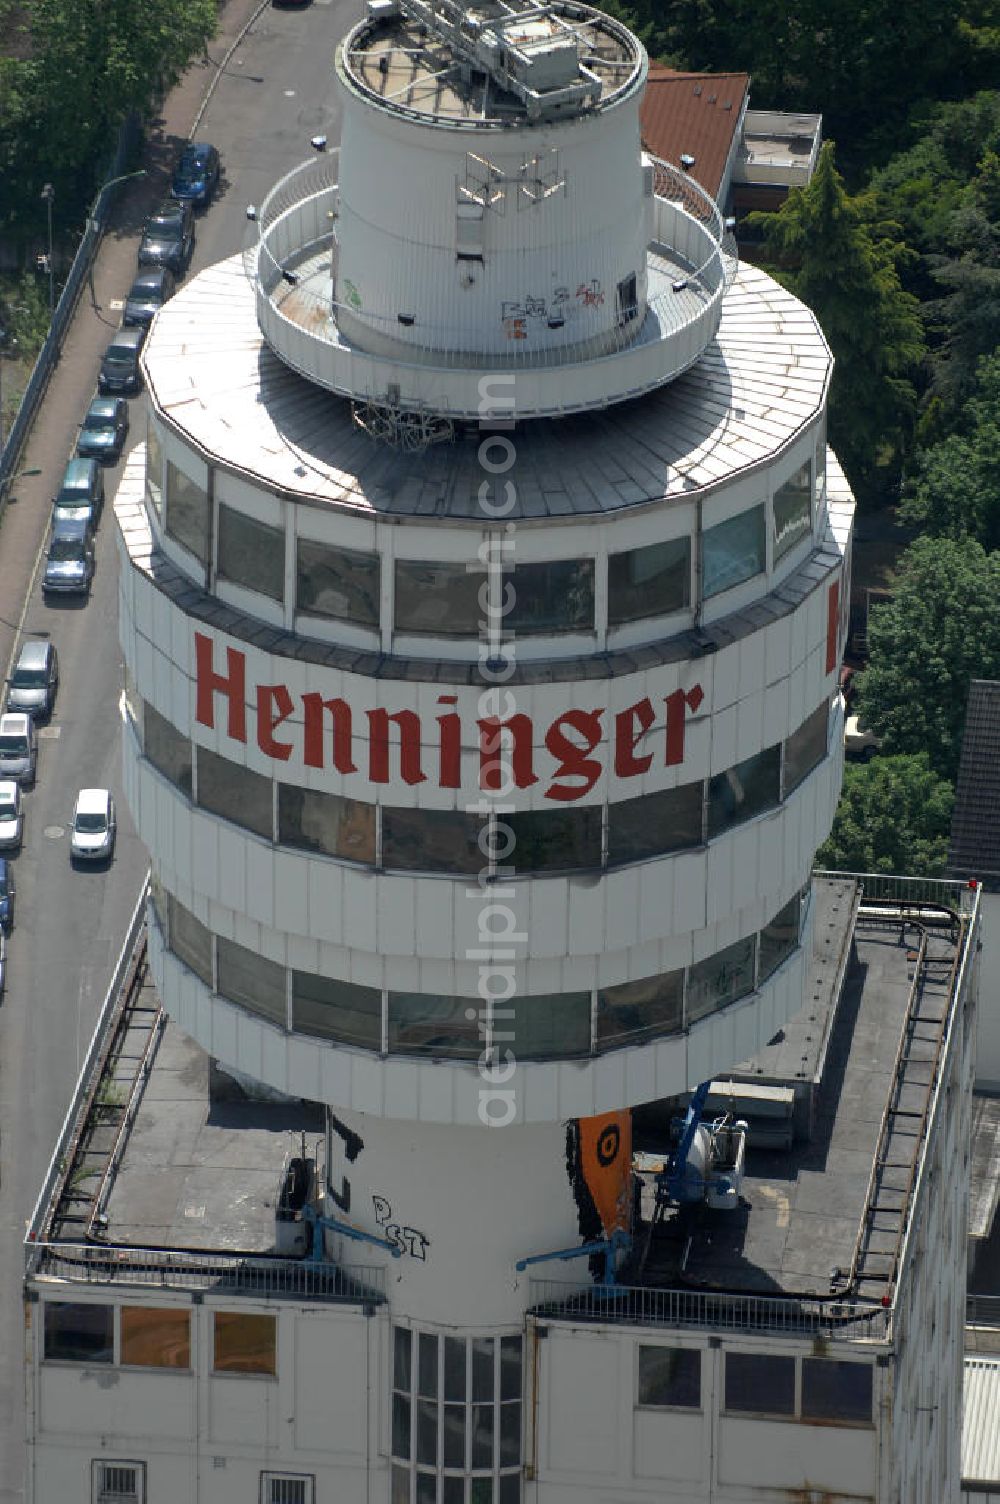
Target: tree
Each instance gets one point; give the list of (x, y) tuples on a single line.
[(940, 630), (955, 488), (894, 815), (969, 313), (844, 266)]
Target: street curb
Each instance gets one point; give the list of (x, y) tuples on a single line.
[(261, 8)]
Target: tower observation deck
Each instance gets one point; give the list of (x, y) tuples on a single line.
[(484, 580), (490, 208)]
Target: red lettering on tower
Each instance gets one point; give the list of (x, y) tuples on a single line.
[(491, 764), (274, 705), (409, 745), (832, 626), (574, 761), (233, 684), (315, 708), (678, 704), (450, 761), (631, 726)]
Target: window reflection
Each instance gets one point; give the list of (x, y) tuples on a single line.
[(555, 840), (742, 792), (245, 1343), (443, 600), (424, 1024), (720, 979), (780, 938), (653, 581), (792, 509), (425, 840), (327, 823), (190, 940), (331, 1009), (236, 793), (438, 599), (78, 1332), (806, 747), (337, 582), (155, 1337), (555, 597), (538, 1028), (154, 468), (251, 980), (251, 553), (640, 1010), (733, 551), (167, 750), (187, 512), (644, 827)]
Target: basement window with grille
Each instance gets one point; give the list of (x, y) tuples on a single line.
[(117, 1482), (287, 1488)]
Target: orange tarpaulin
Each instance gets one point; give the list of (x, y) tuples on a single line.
[(606, 1164)]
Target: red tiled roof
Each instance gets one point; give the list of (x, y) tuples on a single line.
[(697, 113)]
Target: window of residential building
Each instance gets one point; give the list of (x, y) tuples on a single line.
[(456, 1419), (156, 1336), (742, 792), (328, 823), (720, 979), (332, 1009), (670, 1376), (190, 941), (837, 1390), (760, 1383), (251, 553), (640, 1010), (554, 840), (423, 1023), (154, 468), (236, 793), (431, 840), (251, 980), (337, 582), (733, 551), (652, 581), (805, 749), (167, 750), (187, 512), (245, 1343), (79, 1333), (792, 509), (653, 823)]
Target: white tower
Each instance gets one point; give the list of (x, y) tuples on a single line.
[(482, 761)]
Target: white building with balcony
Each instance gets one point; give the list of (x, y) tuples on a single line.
[(483, 591)]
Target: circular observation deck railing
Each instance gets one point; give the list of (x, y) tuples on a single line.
[(293, 266)]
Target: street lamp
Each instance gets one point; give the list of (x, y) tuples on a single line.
[(93, 226), (48, 194)]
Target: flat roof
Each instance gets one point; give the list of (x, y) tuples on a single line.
[(760, 383), (798, 1230)]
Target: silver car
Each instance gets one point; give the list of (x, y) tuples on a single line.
[(92, 838), (18, 747)]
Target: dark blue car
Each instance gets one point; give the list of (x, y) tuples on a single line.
[(197, 174), (6, 894)]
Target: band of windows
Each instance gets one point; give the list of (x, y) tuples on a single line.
[(446, 600), (539, 1027), (452, 842)]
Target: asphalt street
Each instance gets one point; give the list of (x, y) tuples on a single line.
[(275, 92)]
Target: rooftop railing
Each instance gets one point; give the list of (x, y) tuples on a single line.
[(632, 1305), (190, 1269)]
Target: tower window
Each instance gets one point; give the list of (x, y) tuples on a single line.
[(628, 299)]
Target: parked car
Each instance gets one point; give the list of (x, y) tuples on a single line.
[(35, 679), (69, 564), (120, 370), (92, 837), (147, 295), (104, 430), (80, 498), (11, 815), (8, 892), (196, 175), (168, 236), (18, 747), (859, 739)]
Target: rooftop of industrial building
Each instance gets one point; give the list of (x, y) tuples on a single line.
[(168, 1160)]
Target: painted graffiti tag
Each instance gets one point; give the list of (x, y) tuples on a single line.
[(407, 1239)]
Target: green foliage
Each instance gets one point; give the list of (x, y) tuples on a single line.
[(86, 64), (894, 815), (940, 630), (955, 488), (844, 265)]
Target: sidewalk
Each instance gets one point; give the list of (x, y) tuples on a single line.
[(53, 437)]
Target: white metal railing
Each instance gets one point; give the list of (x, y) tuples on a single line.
[(190, 1269), (852, 1320), (911, 892)]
